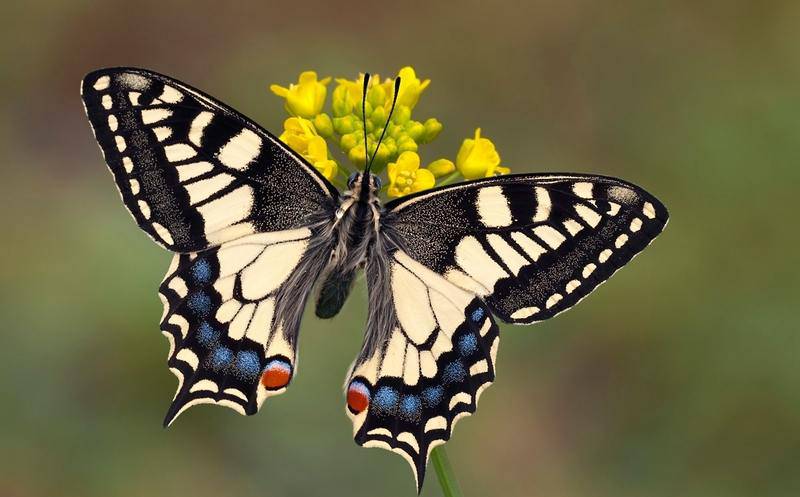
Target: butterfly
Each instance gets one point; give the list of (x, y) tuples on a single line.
[(255, 230)]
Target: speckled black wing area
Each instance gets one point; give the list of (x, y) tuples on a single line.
[(193, 172), (530, 246)]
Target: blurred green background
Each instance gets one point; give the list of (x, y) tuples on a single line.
[(680, 377)]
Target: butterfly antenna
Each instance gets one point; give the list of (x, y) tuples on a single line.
[(367, 162), (388, 119)]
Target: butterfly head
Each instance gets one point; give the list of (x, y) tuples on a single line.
[(363, 184)]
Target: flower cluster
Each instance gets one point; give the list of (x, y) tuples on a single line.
[(316, 134)]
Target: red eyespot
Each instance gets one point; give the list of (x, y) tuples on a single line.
[(357, 397), (276, 375)]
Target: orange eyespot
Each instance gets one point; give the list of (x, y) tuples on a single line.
[(276, 375), (357, 397)]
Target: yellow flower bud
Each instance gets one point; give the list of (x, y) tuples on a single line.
[(323, 125), (432, 129), (405, 176), (358, 156), (349, 141), (401, 114), (376, 95), (410, 87), (306, 98), (378, 117), (478, 158), (407, 144), (341, 103), (382, 157), (415, 129), (345, 125), (441, 167)]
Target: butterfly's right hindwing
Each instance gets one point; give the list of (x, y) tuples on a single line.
[(193, 172)]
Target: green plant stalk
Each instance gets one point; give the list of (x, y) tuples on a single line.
[(447, 478), (451, 178)]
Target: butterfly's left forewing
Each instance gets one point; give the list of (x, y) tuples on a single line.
[(193, 172)]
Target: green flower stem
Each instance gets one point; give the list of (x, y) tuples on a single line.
[(452, 178), (447, 478)]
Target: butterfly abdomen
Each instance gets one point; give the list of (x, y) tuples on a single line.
[(333, 293), (355, 234)]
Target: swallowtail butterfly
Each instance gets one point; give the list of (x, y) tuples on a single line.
[(254, 229)]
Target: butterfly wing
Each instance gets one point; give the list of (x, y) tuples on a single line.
[(244, 213), (193, 172), (530, 246), (231, 315), (429, 353), (521, 247)]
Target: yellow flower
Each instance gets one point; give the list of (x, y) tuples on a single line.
[(306, 98), (296, 133), (410, 87), (301, 137), (347, 95), (405, 176), (477, 158), (317, 155)]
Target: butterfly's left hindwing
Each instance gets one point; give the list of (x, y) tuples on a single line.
[(231, 315), (429, 353)]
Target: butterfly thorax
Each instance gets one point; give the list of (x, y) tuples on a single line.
[(355, 230)]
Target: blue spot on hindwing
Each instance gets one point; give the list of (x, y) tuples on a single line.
[(477, 314), (221, 358), (467, 344), (385, 400), (454, 373), (200, 303), (206, 334), (410, 408), (432, 396), (201, 271), (247, 364)]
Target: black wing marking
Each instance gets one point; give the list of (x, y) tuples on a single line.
[(231, 315), (193, 172), (530, 245), (429, 353)]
